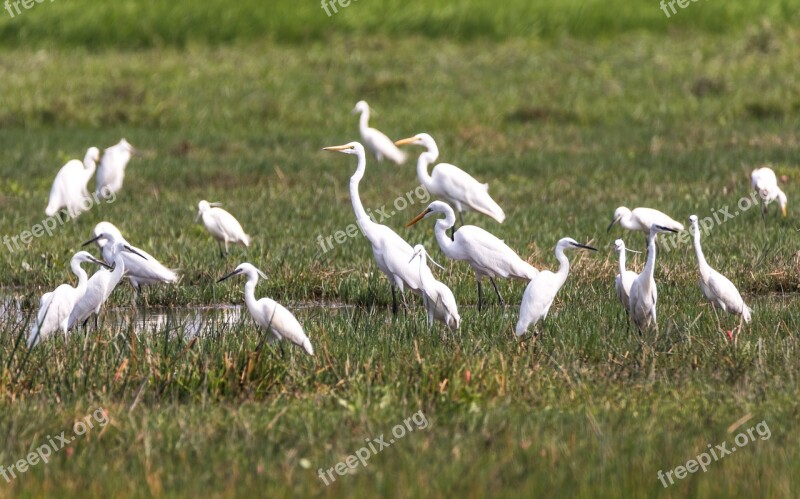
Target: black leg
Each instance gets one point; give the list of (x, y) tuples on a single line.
[(283, 352), (502, 303), (95, 322), (394, 300), (460, 219), (221, 253), (480, 296)]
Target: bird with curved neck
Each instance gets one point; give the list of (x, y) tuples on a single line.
[(717, 288), (438, 298), (392, 253), (221, 225), (623, 280), (69, 191), (486, 254), (541, 291), (377, 142), (452, 184), (765, 182), (644, 293), (268, 313)]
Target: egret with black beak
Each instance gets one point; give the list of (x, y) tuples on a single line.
[(644, 293)]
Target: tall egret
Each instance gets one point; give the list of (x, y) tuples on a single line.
[(644, 294), (765, 182), (268, 313), (716, 287), (56, 306), (222, 225), (392, 253), (642, 219), (451, 183), (438, 298), (542, 290), (139, 272), (380, 145), (69, 187), (100, 285), (111, 171), (624, 280), (486, 254)]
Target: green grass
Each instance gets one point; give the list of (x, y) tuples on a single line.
[(564, 130)]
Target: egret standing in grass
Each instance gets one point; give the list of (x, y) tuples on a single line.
[(375, 140), (765, 182), (623, 280), (452, 184), (716, 287), (644, 293), (438, 298), (221, 225), (641, 219), (55, 307), (392, 253), (542, 290), (268, 313), (111, 171), (69, 189), (486, 254)]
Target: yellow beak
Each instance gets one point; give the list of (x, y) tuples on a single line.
[(418, 217), (336, 148), (403, 142)]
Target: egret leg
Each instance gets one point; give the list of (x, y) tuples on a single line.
[(219, 245), (502, 303), (460, 219), (394, 300), (480, 295), (283, 352), (95, 322)]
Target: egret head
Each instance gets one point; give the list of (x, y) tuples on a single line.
[(86, 257), (569, 243), (435, 207), (619, 245), (361, 107), (693, 220), (420, 139), (247, 269), (116, 243), (92, 154), (422, 254), (349, 148), (203, 206), (619, 214), (124, 144), (110, 231)]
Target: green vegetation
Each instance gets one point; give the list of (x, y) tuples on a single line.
[(564, 128)]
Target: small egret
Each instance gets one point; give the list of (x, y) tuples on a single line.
[(380, 145), (452, 184), (56, 306), (111, 171), (392, 253), (486, 254), (624, 280), (439, 300), (642, 219), (644, 295), (69, 187), (222, 225), (765, 182), (542, 290), (716, 287), (268, 313)]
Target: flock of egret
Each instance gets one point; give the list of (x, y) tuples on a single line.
[(68, 307)]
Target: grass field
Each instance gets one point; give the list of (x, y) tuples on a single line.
[(567, 121)]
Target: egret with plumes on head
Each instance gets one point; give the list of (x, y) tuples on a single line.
[(268, 313), (56, 306), (642, 219), (111, 171), (69, 189), (452, 184), (221, 225), (375, 140), (486, 254), (623, 280), (644, 294), (541, 291), (392, 253), (765, 183), (437, 297)]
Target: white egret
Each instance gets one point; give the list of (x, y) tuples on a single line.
[(542, 290), (765, 182), (392, 253), (717, 289), (438, 298), (644, 294), (221, 225), (56, 306), (69, 189), (111, 171), (623, 280), (452, 184), (642, 219), (268, 313), (486, 254), (377, 142)]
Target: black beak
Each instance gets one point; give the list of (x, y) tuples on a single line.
[(666, 229), (584, 247), (90, 241), (131, 250), (235, 272), (611, 225), (102, 264)]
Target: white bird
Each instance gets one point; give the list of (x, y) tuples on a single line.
[(542, 290), (377, 142), (765, 182), (268, 313), (644, 293), (438, 298), (642, 219), (139, 272), (111, 171), (56, 306), (486, 254), (392, 253), (100, 285), (222, 225), (69, 189), (452, 184), (716, 287), (624, 280)]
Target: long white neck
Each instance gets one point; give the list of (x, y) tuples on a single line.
[(363, 121), (250, 293), (622, 261), (563, 265), (361, 215), (650, 266), (442, 224), (82, 277), (89, 165), (702, 264), (424, 160), (119, 266)]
